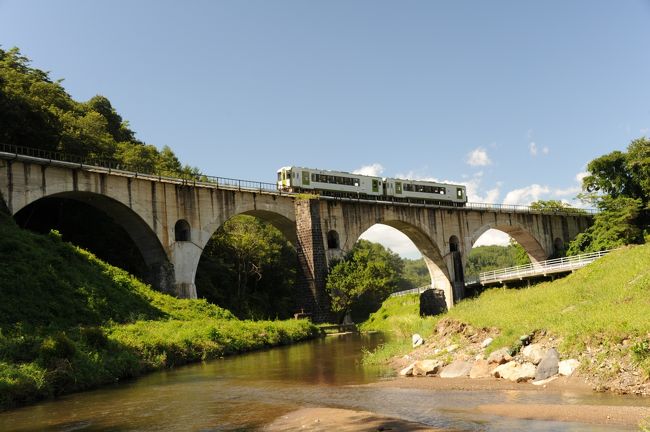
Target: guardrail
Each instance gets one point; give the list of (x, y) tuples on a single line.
[(557, 265), (418, 290), (113, 166)]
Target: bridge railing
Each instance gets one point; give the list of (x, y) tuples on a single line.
[(539, 268), (114, 166), (111, 165), (418, 290)]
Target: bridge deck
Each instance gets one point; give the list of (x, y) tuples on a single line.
[(42, 157)]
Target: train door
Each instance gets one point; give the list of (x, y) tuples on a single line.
[(375, 185)]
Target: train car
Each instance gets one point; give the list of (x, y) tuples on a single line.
[(427, 191), (326, 182)]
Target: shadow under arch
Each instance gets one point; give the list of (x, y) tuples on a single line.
[(159, 271), (525, 239), (434, 260)]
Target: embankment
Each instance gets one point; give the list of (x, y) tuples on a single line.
[(597, 316), (70, 322)]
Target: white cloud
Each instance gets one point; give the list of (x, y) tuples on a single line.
[(375, 169), (393, 239), (493, 237), (478, 157), (526, 195), (581, 175), (534, 149)]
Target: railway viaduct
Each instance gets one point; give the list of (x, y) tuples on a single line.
[(171, 220)]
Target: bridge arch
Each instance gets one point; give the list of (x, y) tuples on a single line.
[(522, 236), (431, 254), (242, 284), (159, 271)]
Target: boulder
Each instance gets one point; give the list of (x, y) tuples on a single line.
[(506, 370), (499, 356), (481, 369), (567, 367), (417, 340), (513, 371), (432, 302), (534, 353), (457, 369), (427, 367), (526, 372), (486, 342), (549, 365), (407, 371)]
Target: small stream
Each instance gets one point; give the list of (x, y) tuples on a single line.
[(245, 392)]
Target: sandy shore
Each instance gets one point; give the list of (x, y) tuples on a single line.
[(331, 419), (328, 419)]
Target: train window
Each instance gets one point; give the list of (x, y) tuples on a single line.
[(443, 191), (279, 175), (356, 182), (459, 193)]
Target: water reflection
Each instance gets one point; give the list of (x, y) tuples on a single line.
[(248, 391)]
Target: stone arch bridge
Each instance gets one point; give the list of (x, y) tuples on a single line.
[(171, 220)]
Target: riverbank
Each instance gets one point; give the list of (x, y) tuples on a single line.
[(70, 322), (597, 414), (596, 317)]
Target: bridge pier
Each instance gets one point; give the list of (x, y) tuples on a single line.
[(185, 258), (312, 262)]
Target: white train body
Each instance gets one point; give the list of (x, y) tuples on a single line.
[(426, 190), (296, 179), (344, 184)]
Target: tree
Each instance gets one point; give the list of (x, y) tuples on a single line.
[(618, 184), (495, 257), (248, 267), (37, 112), (369, 272), (615, 226)]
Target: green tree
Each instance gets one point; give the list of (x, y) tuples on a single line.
[(414, 274), (495, 257), (616, 225), (364, 278), (37, 112), (248, 267), (618, 184)]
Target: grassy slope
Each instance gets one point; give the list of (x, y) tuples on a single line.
[(69, 321), (602, 304)]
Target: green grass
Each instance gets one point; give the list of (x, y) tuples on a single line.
[(601, 304), (398, 318), (69, 322)]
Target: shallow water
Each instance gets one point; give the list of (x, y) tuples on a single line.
[(248, 391)]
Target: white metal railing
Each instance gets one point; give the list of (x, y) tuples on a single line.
[(556, 265), (418, 290)]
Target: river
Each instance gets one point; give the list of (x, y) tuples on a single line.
[(245, 392)]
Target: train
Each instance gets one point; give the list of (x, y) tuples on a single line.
[(349, 185)]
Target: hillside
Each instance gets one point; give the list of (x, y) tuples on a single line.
[(69, 321), (598, 315)]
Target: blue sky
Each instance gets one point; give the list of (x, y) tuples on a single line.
[(512, 98)]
